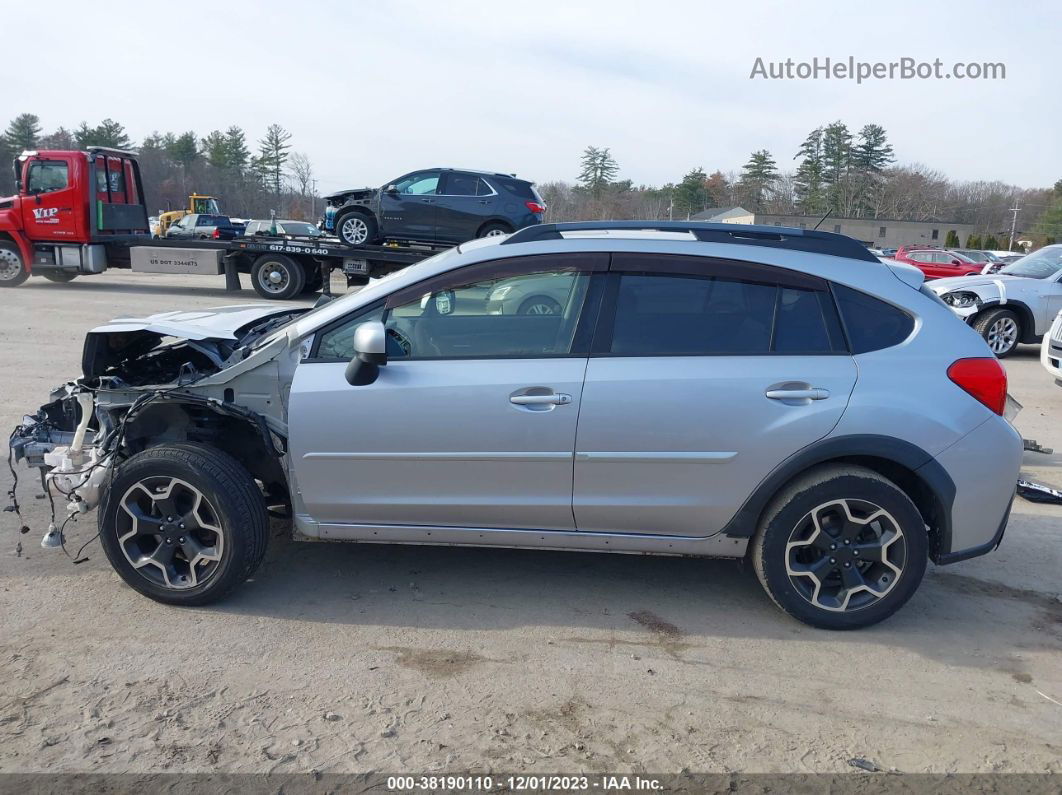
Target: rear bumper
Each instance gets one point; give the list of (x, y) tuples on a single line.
[(984, 467), (1051, 350)]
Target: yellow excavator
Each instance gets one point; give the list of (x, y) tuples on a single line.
[(197, 203)]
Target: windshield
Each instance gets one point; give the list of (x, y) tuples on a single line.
[(1039, 265), (206, 205), (976, 256)]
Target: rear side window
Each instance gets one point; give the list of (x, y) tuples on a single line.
[(686, 315), (871, 323), (517, 187)]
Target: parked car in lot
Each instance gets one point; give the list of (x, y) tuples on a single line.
[(200, 226), (1014, 305), (1051, 349), (982, 258), (695, 394), (440, 205), (286, 227), (937, 263)]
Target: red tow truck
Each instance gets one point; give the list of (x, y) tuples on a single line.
[(82, 212)]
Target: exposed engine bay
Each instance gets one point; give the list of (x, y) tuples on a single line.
[(175, 377)]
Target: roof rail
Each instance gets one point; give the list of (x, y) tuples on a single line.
[(783, 237)]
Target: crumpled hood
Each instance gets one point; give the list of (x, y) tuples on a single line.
[(351, 193), (222, 322), (969, 282)]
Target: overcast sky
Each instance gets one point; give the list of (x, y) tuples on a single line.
[(371, 90)]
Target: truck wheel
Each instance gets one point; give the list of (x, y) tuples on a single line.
[(12, 274), (277, 277), (60, 277), (357, 229), (1001, 329), (841, 548), (183, 524)]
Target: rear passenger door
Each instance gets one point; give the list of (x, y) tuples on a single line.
[(704, 375), (465, 202)]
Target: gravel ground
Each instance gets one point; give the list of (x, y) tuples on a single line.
[(415, 659)]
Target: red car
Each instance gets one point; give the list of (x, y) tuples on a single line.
[(938, 264)]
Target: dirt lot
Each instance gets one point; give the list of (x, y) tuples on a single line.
[(357, 658)]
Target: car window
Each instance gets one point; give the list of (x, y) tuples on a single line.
[(206, 220), (420, 184), (529, 315), (689, 315), (252, 228), (465, 185), (871, 323), (45, 176), (338, 342), (920, 256), (1039, 265)]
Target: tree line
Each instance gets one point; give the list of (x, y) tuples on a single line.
[(835, 170), (250, 178)]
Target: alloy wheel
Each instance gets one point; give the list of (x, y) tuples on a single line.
[(170, 533), (354, 230), (1002, 335), (845, 555), (496, 232)]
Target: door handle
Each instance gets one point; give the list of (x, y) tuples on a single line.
[(557, 399), (428, 201), (798, 394)]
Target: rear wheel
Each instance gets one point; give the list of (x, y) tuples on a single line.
[(539, 305), (60, 277), (1001, 329), (356, 229), (277, 277), (12, 273), (183, 524), (841, 548), (495, 230)]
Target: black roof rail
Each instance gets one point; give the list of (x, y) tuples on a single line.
[(783, 237)]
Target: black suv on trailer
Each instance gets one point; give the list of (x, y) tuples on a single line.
[(439, 205)]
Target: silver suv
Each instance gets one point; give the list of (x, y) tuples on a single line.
[(696, 389)]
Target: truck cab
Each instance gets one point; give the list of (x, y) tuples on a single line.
[(70, 210)]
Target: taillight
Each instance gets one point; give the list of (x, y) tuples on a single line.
[(217, 233), (535, 207), (984, 378)]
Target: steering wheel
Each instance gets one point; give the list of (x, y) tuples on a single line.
[(401, 340)]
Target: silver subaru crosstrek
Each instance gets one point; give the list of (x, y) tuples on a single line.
[(696, 389)]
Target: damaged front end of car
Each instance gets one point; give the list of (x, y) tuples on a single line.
[(209, 377)]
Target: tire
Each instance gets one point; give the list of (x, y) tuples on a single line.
[(1001, 329), (357, 229), (202, 486), (844, 498), (59, 277), (494, 230), (277, 277), (539, 305), (12, 270)]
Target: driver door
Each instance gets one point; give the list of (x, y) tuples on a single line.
[(409, 211), (53, 209), (471, 423)]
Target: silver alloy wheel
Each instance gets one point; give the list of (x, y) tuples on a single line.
[(274, 278), (10, 265), (354, 230), (495, 233), (541, 308), (170, 533), (845, 555), (1002, 335)]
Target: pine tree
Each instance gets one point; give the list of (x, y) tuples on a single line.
[(809, 179), (973, 241), (215, 149), (990, 243), (23, 132), (109, 133), (951, 240), (183, 149), (836, 166), (273, 152), (691, 194), (757, 177), (237, 154), (598, 170), (870, 157), (62, 138)]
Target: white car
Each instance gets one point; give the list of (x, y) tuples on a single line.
[(1016, 304), (1051, 350)]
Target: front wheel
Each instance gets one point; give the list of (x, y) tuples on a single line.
[(12, 274), (183, 524), (841, 548), (277, 277), (1001, 330), (494, 230), (356, 229)]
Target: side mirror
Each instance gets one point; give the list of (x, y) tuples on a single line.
[(370, 354), (391, 189)]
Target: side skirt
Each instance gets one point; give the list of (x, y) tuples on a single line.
[(717, 545)]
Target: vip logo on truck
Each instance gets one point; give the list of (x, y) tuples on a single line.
[(46, 215)]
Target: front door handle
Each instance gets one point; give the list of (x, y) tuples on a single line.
[(556, 399), (798, 394)]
